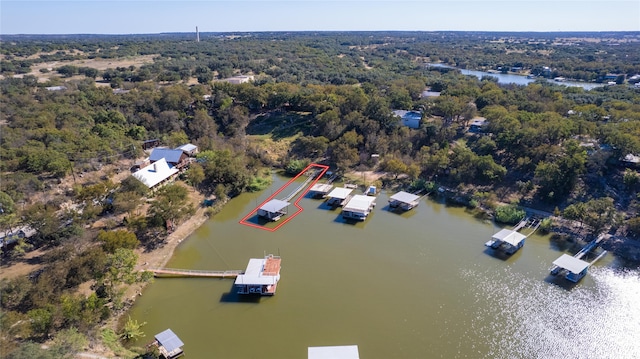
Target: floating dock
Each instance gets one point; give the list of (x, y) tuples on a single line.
[(358, 207), (261, 276)]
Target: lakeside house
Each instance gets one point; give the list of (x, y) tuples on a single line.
[(477, 125), (176, 158), (410, 119), (189, 149), (156, 174)]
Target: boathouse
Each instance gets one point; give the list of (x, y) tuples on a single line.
[(169, 344), (339, 196), (260, 277), (333, 352), (404, 200), (507, 239), (320, 189), (273, 210), (574, 268), (358, 207)]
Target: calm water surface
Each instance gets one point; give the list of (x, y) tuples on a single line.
[(417, 285)]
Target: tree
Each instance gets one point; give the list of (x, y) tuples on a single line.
[(171, 203), (112, 240), (132, 330), (600, 213), (394, 166), (195, 174), (120, 271)]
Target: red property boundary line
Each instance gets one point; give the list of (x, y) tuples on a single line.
[(300, 197)]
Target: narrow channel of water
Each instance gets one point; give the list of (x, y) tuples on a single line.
[(415, 285)]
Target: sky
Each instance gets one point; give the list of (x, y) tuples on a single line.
[(157, 16)]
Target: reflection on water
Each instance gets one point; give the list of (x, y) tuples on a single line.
[(411, 285), (533, 319)]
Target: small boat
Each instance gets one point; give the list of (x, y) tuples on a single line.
[(371, 191)]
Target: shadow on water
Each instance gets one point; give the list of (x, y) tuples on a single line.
[(399, 211), (502, 255), (233, 297), (258, 220), (560, 281), (326, 207)]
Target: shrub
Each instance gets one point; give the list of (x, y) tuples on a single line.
[(509, 214)]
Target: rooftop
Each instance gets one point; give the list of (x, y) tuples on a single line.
[(333, 352), (572, 264), (321, 187), (155, 173), (340, 193), (261, 271), (274, 205), (188, 147), (359, 203), (169, 340), (172, 156), (404, 197), (509, 236)]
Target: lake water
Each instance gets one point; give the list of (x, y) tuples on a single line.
[(518, 79), (416, 285)]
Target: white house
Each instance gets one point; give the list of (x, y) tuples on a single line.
[(156, 173), (410, 119)]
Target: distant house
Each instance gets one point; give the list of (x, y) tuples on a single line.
[(149, 144), (410, 119), (56, 88), (477, 125), (236, 80), (189, 149), (176, 158), (12, 236), (428, 94), (631, 160), (156, 174)]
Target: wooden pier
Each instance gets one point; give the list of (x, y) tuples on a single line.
[(295, 192), (172, 272)]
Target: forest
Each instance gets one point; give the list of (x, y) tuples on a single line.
[(70, 132)]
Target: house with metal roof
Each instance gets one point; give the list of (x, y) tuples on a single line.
[(573, 268), (333, 352), (339, 196), (404, 200), (507, 239), (169, 345), (273, 210), (176, 158), (358, 207), (156, 173), (190, 149), (260, 277)]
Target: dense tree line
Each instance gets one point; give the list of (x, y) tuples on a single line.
[(316, 97)]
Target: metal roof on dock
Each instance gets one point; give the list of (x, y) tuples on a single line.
[(572, 264), (256, 272), (274, 205), (333, 352), (404, 197), (169, 340), (509, 236), (321, 187), (340, 193), (359, 202)]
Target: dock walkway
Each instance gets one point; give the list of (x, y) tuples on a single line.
[(301, 187), (173, 272)]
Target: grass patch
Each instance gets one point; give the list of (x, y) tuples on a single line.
[(259, 183), (112, 341)]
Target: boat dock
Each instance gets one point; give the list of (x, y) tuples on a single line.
[(404, 200), (260, 277), (339, 196), (172, 272), (510, 240), (312, 176), (573, 267), (358, 207)]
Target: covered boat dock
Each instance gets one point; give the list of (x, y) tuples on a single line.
[(574, 268), (169, 345), (358, 207), (333, 352), (404, 200), (273, 210), (508, 239), (260, 277), (321, 189), (339, 196)]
